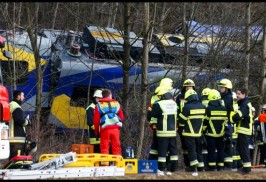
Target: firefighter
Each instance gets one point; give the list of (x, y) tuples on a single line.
[(237, 164), (180, 100), (166, 83), (204, 96), (216, 116), (165, 110), (244, 119), (251, 145), (190, 122), (89, 112), (107, 120), (17, 125), (205, 101), (225, 88)]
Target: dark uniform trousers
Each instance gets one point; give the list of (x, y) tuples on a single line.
[(215, 159), (194, 148), (235, 154), (242, 144), (163, 142), (184, 148), (153, 154), (228, 160)]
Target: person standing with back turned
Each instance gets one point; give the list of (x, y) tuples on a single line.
[(108, 116), (225, 88)]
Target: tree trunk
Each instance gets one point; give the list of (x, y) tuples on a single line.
[(162, 18), (247, 47), (144, 83), (126, 67), (19, 12), (186, 48), (39, 73), (263, 66), (55, 13), (114, 15)]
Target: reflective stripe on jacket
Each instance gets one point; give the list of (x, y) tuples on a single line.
[(243, 118), (216, 115), (192, 117), (166, 113)]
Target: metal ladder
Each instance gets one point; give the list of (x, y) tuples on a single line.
[(55, 163)]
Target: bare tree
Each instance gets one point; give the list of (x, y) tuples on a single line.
[(144, 82), (247, 47), (263, 66), (39, 73), (55, 15)]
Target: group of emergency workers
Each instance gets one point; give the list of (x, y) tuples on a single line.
[(215, 128)]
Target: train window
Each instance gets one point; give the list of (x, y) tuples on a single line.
[(79, 95), (21, 72)]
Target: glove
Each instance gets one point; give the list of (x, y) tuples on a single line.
[(27, 121), (228, 130)]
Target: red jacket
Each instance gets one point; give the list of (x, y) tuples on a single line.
[(97, 116)]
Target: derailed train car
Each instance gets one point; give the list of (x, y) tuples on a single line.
[(94, 60), (77, 62)]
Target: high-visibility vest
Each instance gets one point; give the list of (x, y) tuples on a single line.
[(166, 127), (93, 138)]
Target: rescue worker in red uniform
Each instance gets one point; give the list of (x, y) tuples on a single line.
[(190, 122), (244, 120), (165, 110), (108, 117), (167, 84), (94, 140), (225, 88), (180, 101), (216, 116), (17, 126), (260, 126)]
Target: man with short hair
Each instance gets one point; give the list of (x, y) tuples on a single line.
[(108, 117), (17, 134), (244, 119)]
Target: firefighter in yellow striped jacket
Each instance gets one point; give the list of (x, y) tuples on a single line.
[(188, 84), (216, 117), (190, 122), (244, 120), (165, 83), (165, 110)]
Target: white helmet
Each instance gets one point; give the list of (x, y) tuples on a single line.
[(98, 93), (253, 109)]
